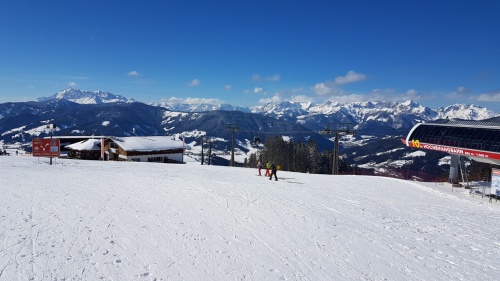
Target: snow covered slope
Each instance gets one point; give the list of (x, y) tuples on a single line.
[(91, 220)]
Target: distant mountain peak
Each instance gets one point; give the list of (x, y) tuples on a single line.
[(464, 112), (283, 109), (394, 114), (87, 97), (199, 107)]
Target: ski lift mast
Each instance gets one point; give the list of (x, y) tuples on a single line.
[(341, 128), (232, 128)]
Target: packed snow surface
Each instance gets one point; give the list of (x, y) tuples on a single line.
[(92, 220)]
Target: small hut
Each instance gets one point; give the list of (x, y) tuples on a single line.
[(87, 149)]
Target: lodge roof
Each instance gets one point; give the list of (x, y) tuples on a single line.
[(151, 143), (85, 145)]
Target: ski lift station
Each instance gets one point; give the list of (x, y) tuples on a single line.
[(476, 140)]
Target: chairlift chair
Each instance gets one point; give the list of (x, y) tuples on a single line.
[(256, 140)]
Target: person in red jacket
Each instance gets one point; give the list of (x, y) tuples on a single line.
[(260, 166)]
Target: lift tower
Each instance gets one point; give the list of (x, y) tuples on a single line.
[(232, 128), (210, 142), (340, 128)]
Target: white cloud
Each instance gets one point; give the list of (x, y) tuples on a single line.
[(332, 90), (460, 93), (349, 98), (293, 95), (302, 98), (350, 77), (332, 87), (194, 83), (297, 90), (412, 95), (322, 89), (258, 90), (275, 98), (72, 84), (202, 100), (393, 95), (462, 90), (133, 73), (491, 97), (174, 100), (327, 88), (389, 95), (272, 78), (228, 87)]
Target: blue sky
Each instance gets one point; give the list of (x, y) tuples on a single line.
[(251, 52)]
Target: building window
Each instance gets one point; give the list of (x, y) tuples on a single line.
[(155, 159)]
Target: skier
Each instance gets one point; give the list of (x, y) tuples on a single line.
[(273, 172), (268, 166), (259, 166)]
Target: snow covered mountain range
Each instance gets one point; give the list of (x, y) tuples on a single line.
[(356, 111), (86, 97), (201, 107), (379, 125), (377, 110)]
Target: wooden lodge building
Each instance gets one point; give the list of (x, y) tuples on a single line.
[(163, 149), (89, 149)]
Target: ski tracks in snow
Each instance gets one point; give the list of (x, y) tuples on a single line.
[(175, 224)]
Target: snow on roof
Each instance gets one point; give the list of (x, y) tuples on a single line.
[(152, 143), (81, 137), (90, 144)]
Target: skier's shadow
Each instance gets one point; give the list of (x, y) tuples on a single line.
[(290, 180)]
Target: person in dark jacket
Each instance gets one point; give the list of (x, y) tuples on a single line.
[(273, 171)]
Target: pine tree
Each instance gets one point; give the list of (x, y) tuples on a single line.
[(314, 157), (252, 161), (297, 157)]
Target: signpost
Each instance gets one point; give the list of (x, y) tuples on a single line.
[(102, 149), (46, 148)]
